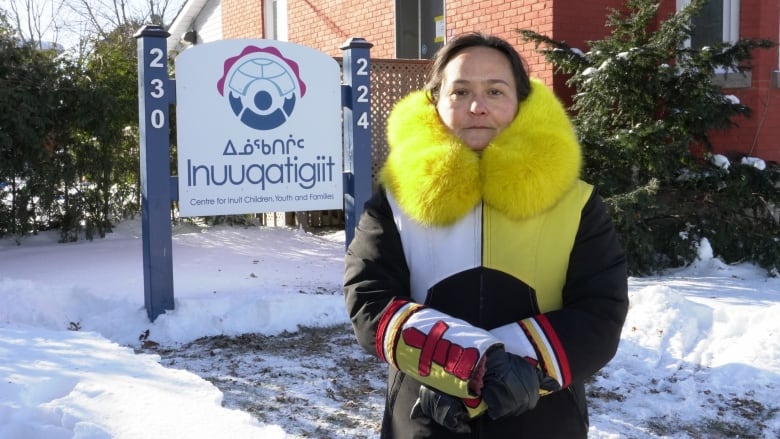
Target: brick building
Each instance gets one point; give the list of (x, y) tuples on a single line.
[(416, 28)]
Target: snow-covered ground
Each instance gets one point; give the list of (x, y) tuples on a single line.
[(699, 357)]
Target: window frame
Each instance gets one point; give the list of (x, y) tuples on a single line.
[(275, 20), (730, 28), (729, 34)]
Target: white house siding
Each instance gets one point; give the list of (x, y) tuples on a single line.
[(208, 24), (203, 16)]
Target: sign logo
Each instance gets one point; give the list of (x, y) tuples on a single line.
[(261, 87)]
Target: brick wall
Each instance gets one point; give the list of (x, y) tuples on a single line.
[(502, 18), (328, 24), (242, 19), (757, 135)]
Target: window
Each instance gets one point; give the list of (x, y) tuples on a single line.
[(275, 17), (717, 22), (419, 28)]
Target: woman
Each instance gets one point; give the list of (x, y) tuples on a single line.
[(484, 271)]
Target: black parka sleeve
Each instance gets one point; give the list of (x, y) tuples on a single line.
[(375, 269)]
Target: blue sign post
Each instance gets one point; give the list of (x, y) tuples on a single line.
[(155, 94), (356, 92)]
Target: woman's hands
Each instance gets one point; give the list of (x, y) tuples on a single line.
[(443, 409), (507, 383), (512, 383)]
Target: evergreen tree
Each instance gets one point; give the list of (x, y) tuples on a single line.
[(30, 104), (644, 106), (105, 143), (68, 136)]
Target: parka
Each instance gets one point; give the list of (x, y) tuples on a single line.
[(458, 252)]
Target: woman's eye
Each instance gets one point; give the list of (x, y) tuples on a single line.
[(495, 92)]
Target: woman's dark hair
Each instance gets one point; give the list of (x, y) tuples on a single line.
[(477, 39)]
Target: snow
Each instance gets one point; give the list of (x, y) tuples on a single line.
[(590, 71), (699, 354), (721, 161), (755, 162)]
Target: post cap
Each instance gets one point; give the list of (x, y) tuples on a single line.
[(356, 43), (151, 30)]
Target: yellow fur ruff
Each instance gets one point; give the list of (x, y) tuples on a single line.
[(525, 170)]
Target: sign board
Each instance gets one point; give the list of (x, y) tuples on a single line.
[(258, 128)]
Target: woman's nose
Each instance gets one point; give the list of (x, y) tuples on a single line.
[(478, 106)]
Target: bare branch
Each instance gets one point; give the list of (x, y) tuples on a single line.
[(81, 21)]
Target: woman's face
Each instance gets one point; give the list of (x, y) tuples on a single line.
[(478, 96)]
